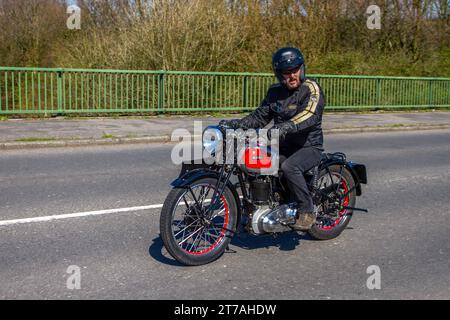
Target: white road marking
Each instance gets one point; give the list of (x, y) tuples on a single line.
[(77, 215), (82, 214)]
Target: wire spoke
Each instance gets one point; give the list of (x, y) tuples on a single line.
[(213, 235), (218, 213), (193, 242), (204, 195), (179, 223), (214, 228), (192, 234), (187, 227)]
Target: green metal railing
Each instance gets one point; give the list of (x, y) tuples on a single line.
[(63, 91)]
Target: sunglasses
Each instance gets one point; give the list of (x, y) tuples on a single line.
[(290, 71)]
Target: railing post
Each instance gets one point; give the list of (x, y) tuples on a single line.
[(245, 91), (161, 91), (59, 88), (378, 92), (430, 93)]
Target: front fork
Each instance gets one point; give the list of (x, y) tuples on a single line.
[(224, 174)]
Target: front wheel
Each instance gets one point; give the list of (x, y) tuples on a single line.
[(336, 191), (195, 228)]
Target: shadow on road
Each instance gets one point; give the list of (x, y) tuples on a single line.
[(285, 242), (155, 251)]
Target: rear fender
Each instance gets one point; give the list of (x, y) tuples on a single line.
[(357, 170)]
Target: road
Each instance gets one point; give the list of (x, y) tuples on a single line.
[(120, 254)]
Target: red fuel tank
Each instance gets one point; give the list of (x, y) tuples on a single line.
[(256, 159)]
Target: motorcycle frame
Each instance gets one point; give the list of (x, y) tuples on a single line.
[(194, 170)]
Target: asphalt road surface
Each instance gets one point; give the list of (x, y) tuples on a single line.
[(119, 254)]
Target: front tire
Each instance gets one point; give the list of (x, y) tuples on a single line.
[(190, 237)]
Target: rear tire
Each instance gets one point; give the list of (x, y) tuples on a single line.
[(326, 228), (213, 239)]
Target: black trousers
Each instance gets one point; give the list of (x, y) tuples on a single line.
[(294, 163)]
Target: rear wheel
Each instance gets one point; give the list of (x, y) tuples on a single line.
[(332, 216), (195, 229)]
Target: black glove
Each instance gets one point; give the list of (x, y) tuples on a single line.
[(284, 128), (232, 124)]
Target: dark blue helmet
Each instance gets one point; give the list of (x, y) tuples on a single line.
[(285, 59)]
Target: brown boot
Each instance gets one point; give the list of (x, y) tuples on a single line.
[(304, 221)]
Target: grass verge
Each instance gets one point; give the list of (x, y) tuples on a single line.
[(33, 139)]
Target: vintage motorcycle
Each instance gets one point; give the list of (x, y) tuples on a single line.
[(209, 201)]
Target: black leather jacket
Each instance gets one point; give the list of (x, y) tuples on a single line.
[(297, 114)]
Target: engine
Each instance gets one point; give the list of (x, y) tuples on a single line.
[(278, 219), (269, 216)]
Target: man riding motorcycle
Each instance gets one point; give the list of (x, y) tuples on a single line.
[(295, 105)]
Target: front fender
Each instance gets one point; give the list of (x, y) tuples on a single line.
[(186, 177)]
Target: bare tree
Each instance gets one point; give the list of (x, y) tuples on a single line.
[(28, 29), (228, 35)]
